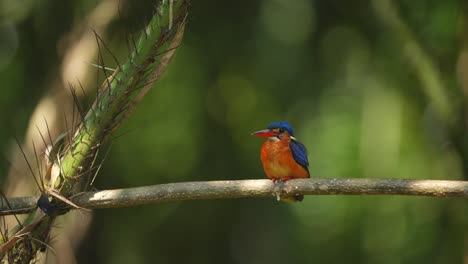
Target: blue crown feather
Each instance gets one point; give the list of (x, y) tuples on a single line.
[(282, 124)]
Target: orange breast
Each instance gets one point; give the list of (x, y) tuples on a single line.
[(278, 161)]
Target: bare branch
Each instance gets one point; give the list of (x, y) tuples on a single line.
[(253, 188)]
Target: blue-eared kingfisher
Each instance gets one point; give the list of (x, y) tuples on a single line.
[(283, 156)]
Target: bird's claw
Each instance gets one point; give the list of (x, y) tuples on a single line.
[(278, 182), (286, 178)]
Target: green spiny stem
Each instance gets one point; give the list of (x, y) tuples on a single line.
[(117, 97), (119, 90)]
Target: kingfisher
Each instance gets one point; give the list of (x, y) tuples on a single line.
[(283, 156)]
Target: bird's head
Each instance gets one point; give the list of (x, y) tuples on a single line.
[(276, 130)]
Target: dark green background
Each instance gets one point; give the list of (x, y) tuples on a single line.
[(351, 86)]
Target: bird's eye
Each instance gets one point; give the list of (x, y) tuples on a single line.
[(281, 130)]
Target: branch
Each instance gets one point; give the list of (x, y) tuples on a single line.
[(251, 188)]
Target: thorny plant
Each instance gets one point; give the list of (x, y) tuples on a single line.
[(70, 164)]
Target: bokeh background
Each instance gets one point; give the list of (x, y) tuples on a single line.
[(373, 88)]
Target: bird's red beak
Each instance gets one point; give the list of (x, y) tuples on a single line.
[(264, 133)]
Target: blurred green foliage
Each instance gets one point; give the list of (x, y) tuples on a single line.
[(334, 69)]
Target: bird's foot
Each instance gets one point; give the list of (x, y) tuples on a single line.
[(277, 190), (279, 183), (286, 178), (283, 179)]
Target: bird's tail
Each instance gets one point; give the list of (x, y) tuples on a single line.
[(298, 197), (293, 199)]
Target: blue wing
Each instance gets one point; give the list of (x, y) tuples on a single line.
[(299, 153)]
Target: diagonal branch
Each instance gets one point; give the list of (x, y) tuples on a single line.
[(252, 188), (419, 60)]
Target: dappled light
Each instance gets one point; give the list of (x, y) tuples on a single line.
[(376, 90)]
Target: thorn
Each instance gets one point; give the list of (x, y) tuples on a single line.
[(101, 67), (27, 162), (65, 200)]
